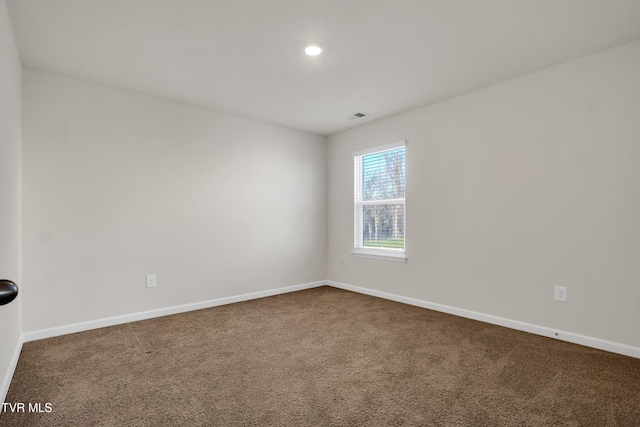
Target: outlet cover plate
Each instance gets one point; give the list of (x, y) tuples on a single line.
[(151, 280), (560, 293)]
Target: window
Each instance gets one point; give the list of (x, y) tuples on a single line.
[(379, 202)]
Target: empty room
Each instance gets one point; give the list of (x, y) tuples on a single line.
[(320, 213)]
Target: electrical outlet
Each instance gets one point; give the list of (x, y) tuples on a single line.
[(560, 293), (151, 280), (341, 263)]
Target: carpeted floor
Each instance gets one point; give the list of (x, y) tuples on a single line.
[(320, 357)]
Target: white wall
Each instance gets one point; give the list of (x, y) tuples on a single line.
[(511, 190), (117, 185), (10, 140)]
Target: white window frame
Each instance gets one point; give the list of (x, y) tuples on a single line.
[(385, 254)]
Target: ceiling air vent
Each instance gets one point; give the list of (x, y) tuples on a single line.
[(357, 115)]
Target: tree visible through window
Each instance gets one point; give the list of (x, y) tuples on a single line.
[(379, 199)]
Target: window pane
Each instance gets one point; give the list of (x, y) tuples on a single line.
[(383, 226), (383, 175)]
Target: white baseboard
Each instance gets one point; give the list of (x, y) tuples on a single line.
[(6, 381), (610, 346), (587, 341), (126, 318)]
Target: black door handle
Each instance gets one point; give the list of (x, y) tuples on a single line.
[(8, 291)]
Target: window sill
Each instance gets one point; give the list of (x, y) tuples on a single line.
[(380, 254)]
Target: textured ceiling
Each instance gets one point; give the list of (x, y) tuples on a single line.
[(246, 56)]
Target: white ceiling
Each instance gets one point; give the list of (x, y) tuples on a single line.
[(246, 56)]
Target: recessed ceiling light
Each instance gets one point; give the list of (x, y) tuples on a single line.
[(313, 50)]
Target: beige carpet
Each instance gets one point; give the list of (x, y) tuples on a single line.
[(321, 357)]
